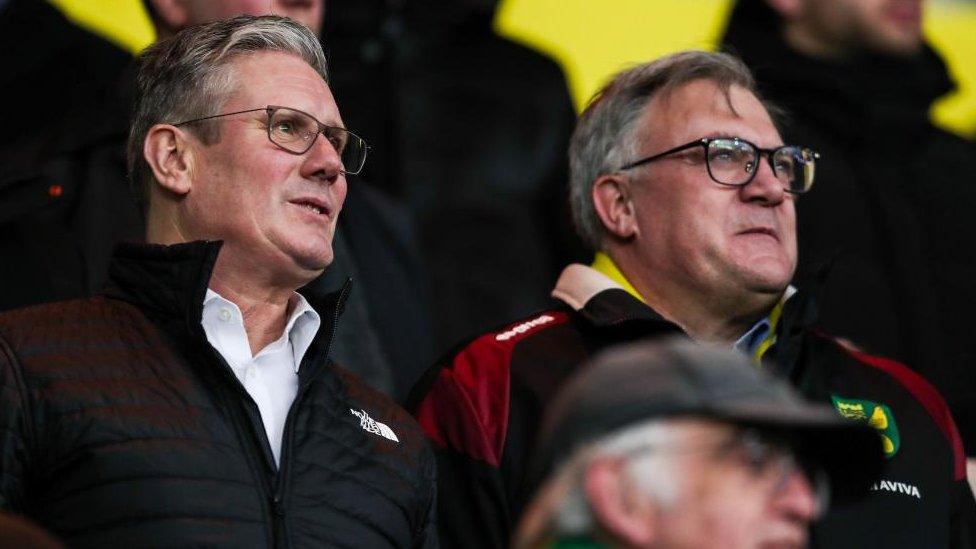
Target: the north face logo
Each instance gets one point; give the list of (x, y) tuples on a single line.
[(371, 425)]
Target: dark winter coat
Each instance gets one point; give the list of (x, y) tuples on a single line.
[(120, 425)]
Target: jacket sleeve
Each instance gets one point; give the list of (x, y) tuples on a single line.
[(962, 522), (462, 405), (428, 538), (14, 431)]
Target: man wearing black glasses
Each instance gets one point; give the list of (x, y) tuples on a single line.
[(683, 185), (195, 404)]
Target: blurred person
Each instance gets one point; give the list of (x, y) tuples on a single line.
[(64, 197), (386, 334), (480, 162), (680, 177), (670, 444), (172, 16), (892, 226), (195, 402)]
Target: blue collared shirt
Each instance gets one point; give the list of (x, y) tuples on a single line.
[(750, 341)]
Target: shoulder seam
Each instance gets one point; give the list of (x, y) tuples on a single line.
[(476, 379)]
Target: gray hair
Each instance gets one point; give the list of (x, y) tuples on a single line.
[(186, 77), (655, 473), (606, 134)]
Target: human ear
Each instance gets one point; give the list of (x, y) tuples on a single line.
[(614, 207), (618, 505), (168, 153)]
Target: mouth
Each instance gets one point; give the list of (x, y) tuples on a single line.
[(313, 205), (767, 231)]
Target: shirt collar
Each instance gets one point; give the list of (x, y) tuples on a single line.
[(755, 342), (303, 321)]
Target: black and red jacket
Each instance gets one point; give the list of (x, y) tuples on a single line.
[(482, 405)]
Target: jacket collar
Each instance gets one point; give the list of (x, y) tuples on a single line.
[(171, 281), (599, 299), (603, 302)]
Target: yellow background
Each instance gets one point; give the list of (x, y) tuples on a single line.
[(595, 38)]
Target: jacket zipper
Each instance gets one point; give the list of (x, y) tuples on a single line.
[(281, 485), (245, 428)]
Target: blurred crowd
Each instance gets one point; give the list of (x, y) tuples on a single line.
[(497, 247)]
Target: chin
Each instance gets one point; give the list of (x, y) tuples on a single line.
[(315, 262), (766, 282)]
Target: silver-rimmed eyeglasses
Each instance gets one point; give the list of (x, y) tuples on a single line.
[(295, 131)]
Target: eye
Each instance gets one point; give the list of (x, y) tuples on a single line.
[(337, 138), (786, 161), (284, 127), (728, 156)]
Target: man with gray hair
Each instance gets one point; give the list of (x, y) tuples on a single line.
[(672, 444), (682, 184), (195, 404)]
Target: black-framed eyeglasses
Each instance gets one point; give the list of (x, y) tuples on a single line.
[(295, 131), (734, 162)]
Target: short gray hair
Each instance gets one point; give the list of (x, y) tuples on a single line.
[(185, 77), (605, 135), (654, 472)]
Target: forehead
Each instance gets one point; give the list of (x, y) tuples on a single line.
[(701, 108), (276, 78)]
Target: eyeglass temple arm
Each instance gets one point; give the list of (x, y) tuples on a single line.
[(679, 148)]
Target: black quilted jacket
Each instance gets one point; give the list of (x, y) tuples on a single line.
[(120, 425)]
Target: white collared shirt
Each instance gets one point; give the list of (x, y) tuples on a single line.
[(270, 377)]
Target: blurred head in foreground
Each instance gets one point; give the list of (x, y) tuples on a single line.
[(673, 444)]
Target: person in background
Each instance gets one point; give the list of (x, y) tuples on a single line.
[(682, 181), (195, 402), (469, 130), (667, 444), (891, 227), (64, 198)]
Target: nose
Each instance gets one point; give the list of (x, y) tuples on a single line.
[(322, 162), (765, 187), (797, 500)]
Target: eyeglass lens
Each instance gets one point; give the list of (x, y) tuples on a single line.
[(775, 462), (296, 132), (733, 162)]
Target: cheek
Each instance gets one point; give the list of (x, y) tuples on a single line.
[(733, 518), (339, 191)]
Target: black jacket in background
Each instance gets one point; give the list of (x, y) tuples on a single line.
[(120, 425), (65, 200), (470, 130), (892, 207)]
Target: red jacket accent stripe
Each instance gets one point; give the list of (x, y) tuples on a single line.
[(925, 393), (467, 406)]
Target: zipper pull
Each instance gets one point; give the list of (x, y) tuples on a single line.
[(277, 507)]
